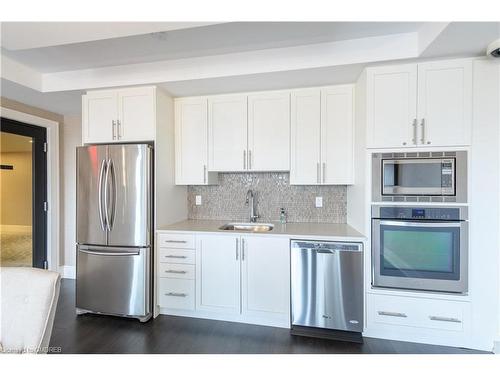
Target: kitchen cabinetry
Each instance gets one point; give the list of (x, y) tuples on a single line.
[(191, 143), (218, 274), (262, 265), (227, 133), (420, 105), (269, 132), (124, 115), (322, 136), (265, 277)]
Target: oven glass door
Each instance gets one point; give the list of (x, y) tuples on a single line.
[(420, 255), (418, 177)]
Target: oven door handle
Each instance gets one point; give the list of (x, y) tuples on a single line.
[(426, 224)]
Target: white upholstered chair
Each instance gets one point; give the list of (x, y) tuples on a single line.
[(28, 305)]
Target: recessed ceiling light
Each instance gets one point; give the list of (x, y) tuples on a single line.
[(30, 141)]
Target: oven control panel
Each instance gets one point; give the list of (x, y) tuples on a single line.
[(420, 213)]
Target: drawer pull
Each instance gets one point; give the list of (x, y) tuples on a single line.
[(176, 294), (175, 241), (176, 256), (444, 319), (174, 271), (396, 314)]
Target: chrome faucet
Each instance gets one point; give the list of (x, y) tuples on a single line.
[(250, 201)]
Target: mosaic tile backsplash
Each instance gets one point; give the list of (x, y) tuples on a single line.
[(272, 191)]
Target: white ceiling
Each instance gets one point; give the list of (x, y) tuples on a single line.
[(195, 42), (193, 59)]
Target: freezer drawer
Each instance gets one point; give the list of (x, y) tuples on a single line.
[(114, 280), (327, 285)]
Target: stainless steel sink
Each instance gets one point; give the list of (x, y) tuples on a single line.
[(248, 227)]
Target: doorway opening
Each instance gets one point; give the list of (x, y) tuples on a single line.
[(23, 195)]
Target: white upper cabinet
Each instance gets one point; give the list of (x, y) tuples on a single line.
[(227, 133), (137, 114), (420, 105), (265, 267), (337, 112), (123, 115), (218, 274), (322, 136), (305, 136), (269, 132), (191, 142), (392, 106), (99, 116), (445, 103)]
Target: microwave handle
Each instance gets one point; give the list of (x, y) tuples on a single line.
[(426, 224)]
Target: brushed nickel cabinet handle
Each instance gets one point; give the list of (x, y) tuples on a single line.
[(176, 256), (237, 249), (414, 140), (324, 172), (175, 271), (249, 159), (205, 174), (395, 314), (176, 294), (244, 159), (118, 129), (422, 124), (242, 249), (175, 241), (113, 128), (444, 319), (317, 173)]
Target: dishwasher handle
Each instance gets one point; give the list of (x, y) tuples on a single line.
[(327, 247)]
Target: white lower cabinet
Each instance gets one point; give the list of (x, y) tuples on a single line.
[(218, 274), (445, 322), (265, 278)]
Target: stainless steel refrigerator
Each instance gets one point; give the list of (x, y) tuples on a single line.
[(114, 230)]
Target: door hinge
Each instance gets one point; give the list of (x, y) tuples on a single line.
[(44, 146), (45, 265), (45, 206)]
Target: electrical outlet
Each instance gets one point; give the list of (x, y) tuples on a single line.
[(319, 202), (198, 200)]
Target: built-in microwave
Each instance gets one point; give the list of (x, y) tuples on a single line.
[(420, 177)]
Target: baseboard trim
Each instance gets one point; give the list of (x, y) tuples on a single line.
[(67, 272)]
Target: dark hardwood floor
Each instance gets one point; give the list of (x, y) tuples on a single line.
[(177, 335)]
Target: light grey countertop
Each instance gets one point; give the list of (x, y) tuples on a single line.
[(324, 231)]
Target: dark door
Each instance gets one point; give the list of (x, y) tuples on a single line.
[(28, 140)]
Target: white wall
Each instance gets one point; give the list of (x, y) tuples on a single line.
[(70, 138)]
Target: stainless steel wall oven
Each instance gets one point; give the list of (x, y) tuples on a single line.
[(420, 177), (420, 248)]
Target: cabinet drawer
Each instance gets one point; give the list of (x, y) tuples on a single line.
[(176, 293), (178, 241), (417, 312), (176, 256), (176, 271)]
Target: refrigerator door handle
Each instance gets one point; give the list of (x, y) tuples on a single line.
[(100, 208), (110, 253), (106, 190), (111, 166)]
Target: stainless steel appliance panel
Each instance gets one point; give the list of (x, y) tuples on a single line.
[(113, 280), (327, 285), (91, 168), (128, 195)]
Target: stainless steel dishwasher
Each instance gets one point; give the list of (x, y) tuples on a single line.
[(327, 289)]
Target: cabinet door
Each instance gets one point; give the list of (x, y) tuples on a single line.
[(265, 278), (305, 137), (445, 103), (269, 132), (227, 133), (392, 106), (337, 129), (99, 113), (218, 273), (137, 114), (191, 141)]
